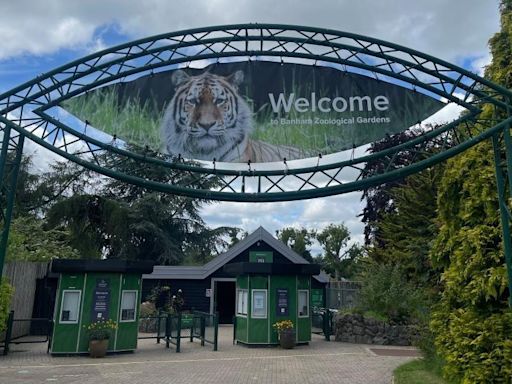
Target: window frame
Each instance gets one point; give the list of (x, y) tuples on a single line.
[(121, 306), (245, 304), (307, 303), (64, 292), (258, 290)]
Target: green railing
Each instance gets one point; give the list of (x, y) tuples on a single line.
[(173, 331), (39, 331), (205, 327), (152, 327)]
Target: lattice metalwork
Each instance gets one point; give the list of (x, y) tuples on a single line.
[(30, 109)]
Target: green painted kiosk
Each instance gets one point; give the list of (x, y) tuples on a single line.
[(269, 292), (95, 290)]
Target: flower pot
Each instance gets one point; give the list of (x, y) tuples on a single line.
[(98, 348), (287, 339)]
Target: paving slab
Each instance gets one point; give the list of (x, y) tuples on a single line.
[(316, 363)]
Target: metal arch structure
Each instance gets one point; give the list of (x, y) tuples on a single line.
[(31, 111)]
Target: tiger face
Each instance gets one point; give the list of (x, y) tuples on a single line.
[(206, 117)]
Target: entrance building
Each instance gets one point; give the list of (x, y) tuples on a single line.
[(90, 291), (209, 288)]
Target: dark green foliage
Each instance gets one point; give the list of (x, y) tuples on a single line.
[(300, 240), (378, 199), (407, 232), (127, 221)]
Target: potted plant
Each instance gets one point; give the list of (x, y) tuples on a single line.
[(99, 336), (286, 333)]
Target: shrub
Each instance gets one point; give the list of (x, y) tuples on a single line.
[(477, 348), (386, 292), (6, 292)]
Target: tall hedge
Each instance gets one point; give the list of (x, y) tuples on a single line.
[(472, 323)]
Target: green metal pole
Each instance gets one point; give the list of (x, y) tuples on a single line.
[(10, 187), (505, 222), (216, 330), (178, 335), (3, 160)]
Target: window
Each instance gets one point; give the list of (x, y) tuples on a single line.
[(241, 307), (303, 302), (259, 303), (128, 305), (70, 307)]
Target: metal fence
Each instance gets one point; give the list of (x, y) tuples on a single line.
[(38, 330), (174, 327), (342, 295)]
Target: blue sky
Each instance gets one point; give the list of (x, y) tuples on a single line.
[(39, 36)]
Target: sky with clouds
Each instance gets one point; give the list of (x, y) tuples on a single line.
[(38, 36)]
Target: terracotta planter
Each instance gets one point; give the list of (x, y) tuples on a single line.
[(287, 339), (98, 348)]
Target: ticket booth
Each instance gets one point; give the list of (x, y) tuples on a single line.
[(94, 290), (267, 293)]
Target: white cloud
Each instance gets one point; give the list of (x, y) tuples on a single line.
[(445, 29)]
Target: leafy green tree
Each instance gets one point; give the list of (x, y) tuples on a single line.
[(336, 251), (30, 241), (298, 239)]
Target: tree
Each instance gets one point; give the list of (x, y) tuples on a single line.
[(298, 239), (30, 241), (334, 240), (406, 234), (379, 201), (131, 222)]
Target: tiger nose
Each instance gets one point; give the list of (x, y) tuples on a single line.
[(207, 125)]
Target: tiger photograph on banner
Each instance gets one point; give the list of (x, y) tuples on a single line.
[(257, 111), (208, 119)]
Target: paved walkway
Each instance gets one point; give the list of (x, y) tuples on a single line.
[(319, 362)]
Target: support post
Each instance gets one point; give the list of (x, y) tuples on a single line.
[(216, 330), (8, 185), (504, 212), (178, 334)]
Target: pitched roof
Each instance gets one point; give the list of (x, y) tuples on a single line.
[(202, 272)]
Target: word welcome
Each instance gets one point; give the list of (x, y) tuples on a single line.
[(326, 104)]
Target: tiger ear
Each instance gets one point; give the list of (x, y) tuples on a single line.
[(236, 78), (179, 77)]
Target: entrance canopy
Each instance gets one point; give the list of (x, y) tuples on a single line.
[(213, 107)]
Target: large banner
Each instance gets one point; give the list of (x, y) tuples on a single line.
[(258, 111)]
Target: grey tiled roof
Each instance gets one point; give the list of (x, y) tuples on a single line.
[(202, 272)]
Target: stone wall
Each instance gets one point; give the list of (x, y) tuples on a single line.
[(355, 328)]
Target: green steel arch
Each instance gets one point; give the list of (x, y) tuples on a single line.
[(28, 108), (29, 111)]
